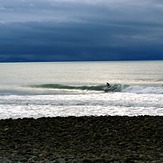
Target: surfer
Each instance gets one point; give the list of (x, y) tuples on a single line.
[(108, 85)]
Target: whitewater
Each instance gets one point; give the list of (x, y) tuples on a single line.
[(77, 89)]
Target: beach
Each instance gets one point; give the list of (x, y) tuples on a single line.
[(82, 139), (59, 112)]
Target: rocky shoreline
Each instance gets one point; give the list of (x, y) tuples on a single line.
[(82, 139)]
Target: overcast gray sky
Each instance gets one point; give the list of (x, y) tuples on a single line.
[(65, 30)]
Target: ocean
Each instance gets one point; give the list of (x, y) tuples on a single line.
[(63, 89)]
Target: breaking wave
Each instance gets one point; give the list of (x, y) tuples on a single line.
[(144, 89), (113, 87), (60, 86), (140, 89)]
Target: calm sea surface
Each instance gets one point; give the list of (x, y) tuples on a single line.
[(77, 89)]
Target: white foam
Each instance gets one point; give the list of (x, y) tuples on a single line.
[(144, 89), (119, 103)]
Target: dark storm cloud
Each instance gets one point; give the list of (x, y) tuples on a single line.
[(52, 30)]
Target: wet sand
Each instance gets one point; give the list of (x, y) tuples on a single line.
[(82, 139)]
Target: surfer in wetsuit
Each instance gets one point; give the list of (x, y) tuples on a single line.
[(108, 85)]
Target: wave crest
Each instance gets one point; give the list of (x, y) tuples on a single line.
[(140, 89), (112, 88)]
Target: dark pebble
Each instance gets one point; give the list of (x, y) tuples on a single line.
[(82, 139)]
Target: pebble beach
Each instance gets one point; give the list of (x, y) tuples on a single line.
[(82, 139)]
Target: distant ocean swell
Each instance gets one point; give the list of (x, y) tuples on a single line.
[(141, 89)]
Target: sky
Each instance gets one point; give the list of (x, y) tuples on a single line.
[(80, 30)]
